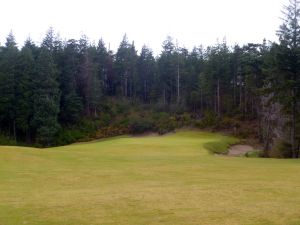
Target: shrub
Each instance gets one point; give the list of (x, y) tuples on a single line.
[(5, 140), (138, 125), (209, 120), (123, 107), (164, 123), (176, 109), (228, 123), (184, 120), (105, 120), (281, 149), (254, 154), (110, 131), (244, 133), (68, 136), (83, 131)]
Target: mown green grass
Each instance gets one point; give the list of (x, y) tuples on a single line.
[(170, 179)]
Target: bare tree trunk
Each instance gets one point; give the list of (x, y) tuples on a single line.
[(178, 83), (245, 102), (298, 149), (215, 102), (259, 114), (145, 90), (178, 74), (218, 98), (14, 130), (28, 136), (268, 131), (126, 86), (241, 99), (252, 106), (201, 100), (293, 127), (234, 90)]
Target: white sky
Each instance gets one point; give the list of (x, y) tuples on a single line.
[(192, 22)]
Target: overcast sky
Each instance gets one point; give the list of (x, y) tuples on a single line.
[(192, 22)]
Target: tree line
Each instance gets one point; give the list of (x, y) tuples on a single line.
[(54, 85)]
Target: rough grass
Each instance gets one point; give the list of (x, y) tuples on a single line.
[(220, 146), (146, 180)]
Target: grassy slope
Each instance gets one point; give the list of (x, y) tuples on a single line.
[(146, 180)]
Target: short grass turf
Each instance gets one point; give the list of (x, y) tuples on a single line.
[(170, 179)]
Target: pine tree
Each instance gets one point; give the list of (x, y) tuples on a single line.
[(215, 77), (146, 73), (71, 105), (94, 84), (286, 87), (167, 67), (102, 60), (88, 82), (24, 90), (46, 98), (8, 85), (125, 67), (192, 90)]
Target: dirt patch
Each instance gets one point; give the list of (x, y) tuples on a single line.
[(239, 150)]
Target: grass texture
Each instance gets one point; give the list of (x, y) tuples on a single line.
[(171, 179)]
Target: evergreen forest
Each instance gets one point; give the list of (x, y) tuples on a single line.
[(63, 91)]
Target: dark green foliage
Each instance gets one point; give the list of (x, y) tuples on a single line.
[(139, 125), (125, 68), (254, 154), (8, 72), (282, 149), (184, 120), (24, 90), (167, 65), (146, 69), (46, 98), (164, 123), (228, 123), (67, 136), (71, 106), (6, 140), (209, 120)]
